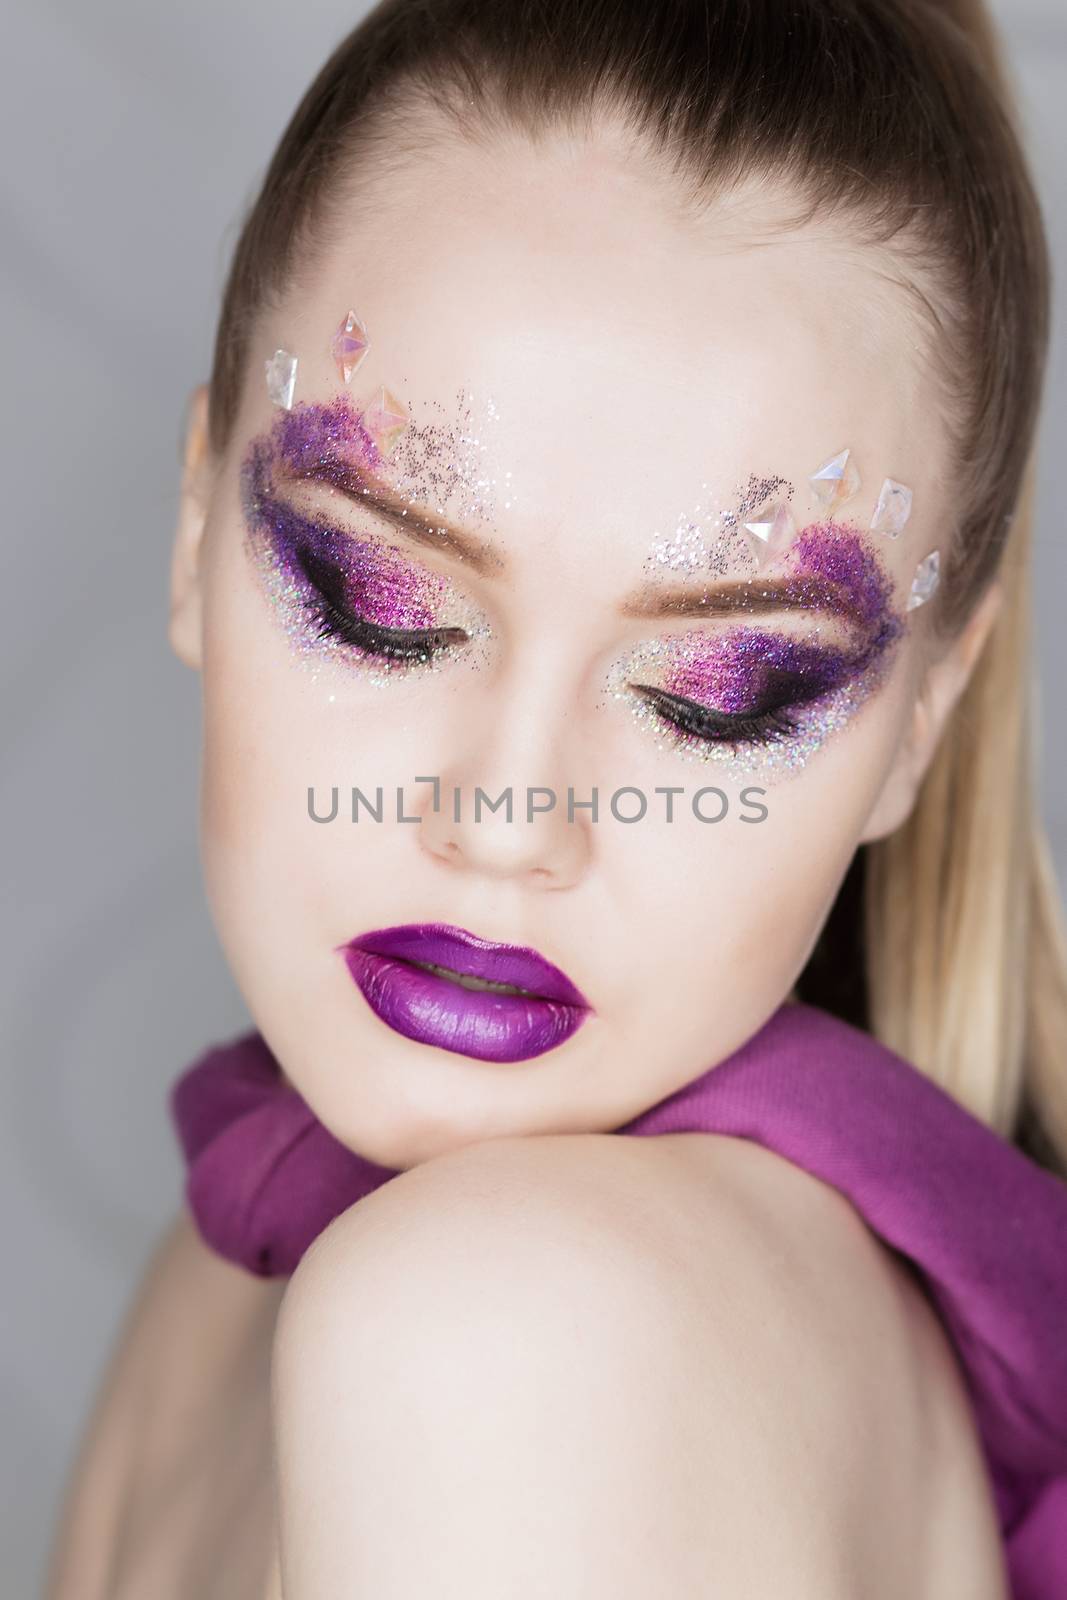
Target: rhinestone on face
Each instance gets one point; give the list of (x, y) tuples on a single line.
[(893, 509), (385, 419), (281, 378), (349, 346), (771, 532), (926, 579), (836, 481)]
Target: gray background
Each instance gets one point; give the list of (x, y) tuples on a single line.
[(133, 136)]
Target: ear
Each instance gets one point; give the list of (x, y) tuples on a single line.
[(184, 629), (944, 682)]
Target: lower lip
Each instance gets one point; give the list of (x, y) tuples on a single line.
[(470, 1022)]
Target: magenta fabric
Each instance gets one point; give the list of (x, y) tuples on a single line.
[(985, 1226)]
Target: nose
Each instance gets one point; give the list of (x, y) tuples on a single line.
[(508, 808)]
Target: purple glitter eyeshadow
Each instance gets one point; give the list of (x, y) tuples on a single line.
[(737, 671), (379, 585), (749, 672), (841, 556), (314, 438)]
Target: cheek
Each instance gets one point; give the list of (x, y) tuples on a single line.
[(275, 725), (732, 909), (262, 737), (744, 900)]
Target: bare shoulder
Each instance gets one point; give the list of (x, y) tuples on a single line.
[(869, 1316), (193, 1326), (703, 1257)]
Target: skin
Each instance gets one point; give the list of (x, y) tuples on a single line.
[(639, 360), (578, 1365)]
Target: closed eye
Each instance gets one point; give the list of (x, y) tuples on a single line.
[(335, 618), (768, 725)]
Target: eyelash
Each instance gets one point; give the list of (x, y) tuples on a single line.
[(419, 646), (770, 726), (335, 619)]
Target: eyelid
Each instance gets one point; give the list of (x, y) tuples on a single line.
[(378, 539), (322, 522), (358, 632), (718, 728), (763, 707), (777, 685)]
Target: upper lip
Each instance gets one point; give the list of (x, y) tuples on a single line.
[(473, 956)]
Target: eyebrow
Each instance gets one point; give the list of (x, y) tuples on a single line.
[(417, 523), (761, 595), (424, 527)]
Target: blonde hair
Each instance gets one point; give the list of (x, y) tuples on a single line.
[(966, 949)]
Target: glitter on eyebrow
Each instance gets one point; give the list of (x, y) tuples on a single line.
[(713, 541), (755, 494), (446, 465), (841, 554), (443, 465)]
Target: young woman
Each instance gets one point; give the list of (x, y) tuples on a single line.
[(604, 545)]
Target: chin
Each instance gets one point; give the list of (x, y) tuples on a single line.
[(387, 1123), (400, 1143)]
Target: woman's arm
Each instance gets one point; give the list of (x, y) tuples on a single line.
[(611, 1366), (91, 1516), (182, 1409)]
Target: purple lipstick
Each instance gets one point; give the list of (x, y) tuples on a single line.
[(444, 986)]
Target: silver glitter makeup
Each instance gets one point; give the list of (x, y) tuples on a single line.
[(447, 464), (715, 541)]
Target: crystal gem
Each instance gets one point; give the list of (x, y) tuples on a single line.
[(350, 344), (281, 378), (385, 419), (893, 509), (836, 481), (772, 531), (926, 579)]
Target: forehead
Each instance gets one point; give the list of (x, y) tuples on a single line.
[(625, 358)]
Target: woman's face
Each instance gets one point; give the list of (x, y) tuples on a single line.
[(536, 577)]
